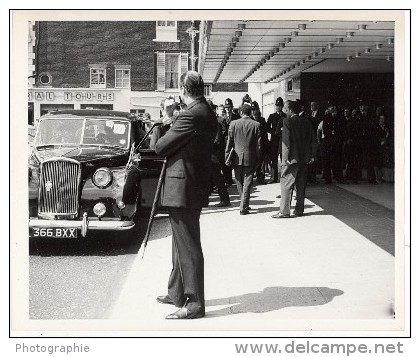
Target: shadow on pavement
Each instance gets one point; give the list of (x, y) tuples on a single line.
[(273, 298)]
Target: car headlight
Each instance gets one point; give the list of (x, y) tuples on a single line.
[(102, 177)]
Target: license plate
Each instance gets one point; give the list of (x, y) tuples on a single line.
[(53, 232)]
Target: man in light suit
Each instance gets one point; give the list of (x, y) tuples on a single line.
[(245, 138), (188, 147), (298, 150)]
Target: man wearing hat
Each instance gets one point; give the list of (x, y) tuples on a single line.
[(274, 128), (228, 117), (256, 115)]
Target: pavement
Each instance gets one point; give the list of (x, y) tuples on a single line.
[(332, 269)]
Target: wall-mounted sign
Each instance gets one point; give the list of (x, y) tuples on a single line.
[(41, 96), (71, 96), (90, 96)]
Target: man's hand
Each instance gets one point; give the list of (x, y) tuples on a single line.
[(311, 161)]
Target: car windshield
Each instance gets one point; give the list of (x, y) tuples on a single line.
[(83, 131)]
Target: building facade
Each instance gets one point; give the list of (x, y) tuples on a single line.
[(128, 66)]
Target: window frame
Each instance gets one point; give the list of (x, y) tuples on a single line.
[(178, 70), (166, 33), (97, 85), (122, 69), (208, 90)]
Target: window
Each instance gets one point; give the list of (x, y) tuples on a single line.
[(139, 112), (166, 31), (207, 90), (170, 66), (166, 24), (122, 78), (97, 78), (171, 71)]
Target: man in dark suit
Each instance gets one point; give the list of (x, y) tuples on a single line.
[(227, 118), (316, 118), (187, 147), (298, 150), (256, 115), (217, 158), (245, 138), (274, 127)]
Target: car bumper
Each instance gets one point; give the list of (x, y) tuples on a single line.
[(84, 225)]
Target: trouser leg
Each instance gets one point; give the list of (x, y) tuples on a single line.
[(274, 163), (247, 183), (239, 178), (175, 284), (219, 182), (287, 179), (227, 174), (186, 226), (300, 186)]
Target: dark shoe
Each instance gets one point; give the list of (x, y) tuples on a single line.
[(278, 215), (183, 313), (243, 212), (165, 299), (299, 214), (278, 196), (223, 204)]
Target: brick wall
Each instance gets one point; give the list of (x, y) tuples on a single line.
[(67, 48)]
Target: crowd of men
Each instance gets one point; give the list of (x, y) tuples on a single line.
[(349, 139)]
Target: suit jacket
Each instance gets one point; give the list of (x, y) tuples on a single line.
[(188, 146), (245, 137), (315, 120), (298, 140), (218, 153)]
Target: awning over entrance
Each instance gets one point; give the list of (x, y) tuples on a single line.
[(263, 51)]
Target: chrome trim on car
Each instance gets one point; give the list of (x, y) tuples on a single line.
[(59, 188), (84, 225)]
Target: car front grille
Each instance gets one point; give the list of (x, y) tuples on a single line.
[(59, 187)]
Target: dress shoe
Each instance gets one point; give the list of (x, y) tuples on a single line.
[(299, 214), (223, 204), (278, 196), (243, 212), (183, 313), (165, 299), (278, 215)]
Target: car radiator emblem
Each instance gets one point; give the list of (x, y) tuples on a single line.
[(48, 186)]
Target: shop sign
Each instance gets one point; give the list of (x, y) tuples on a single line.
[(41, 96), (89, 96), (72, 95)]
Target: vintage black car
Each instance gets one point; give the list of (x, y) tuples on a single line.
[(87, 172)]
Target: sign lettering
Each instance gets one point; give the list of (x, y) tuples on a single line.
[(72, 95)]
